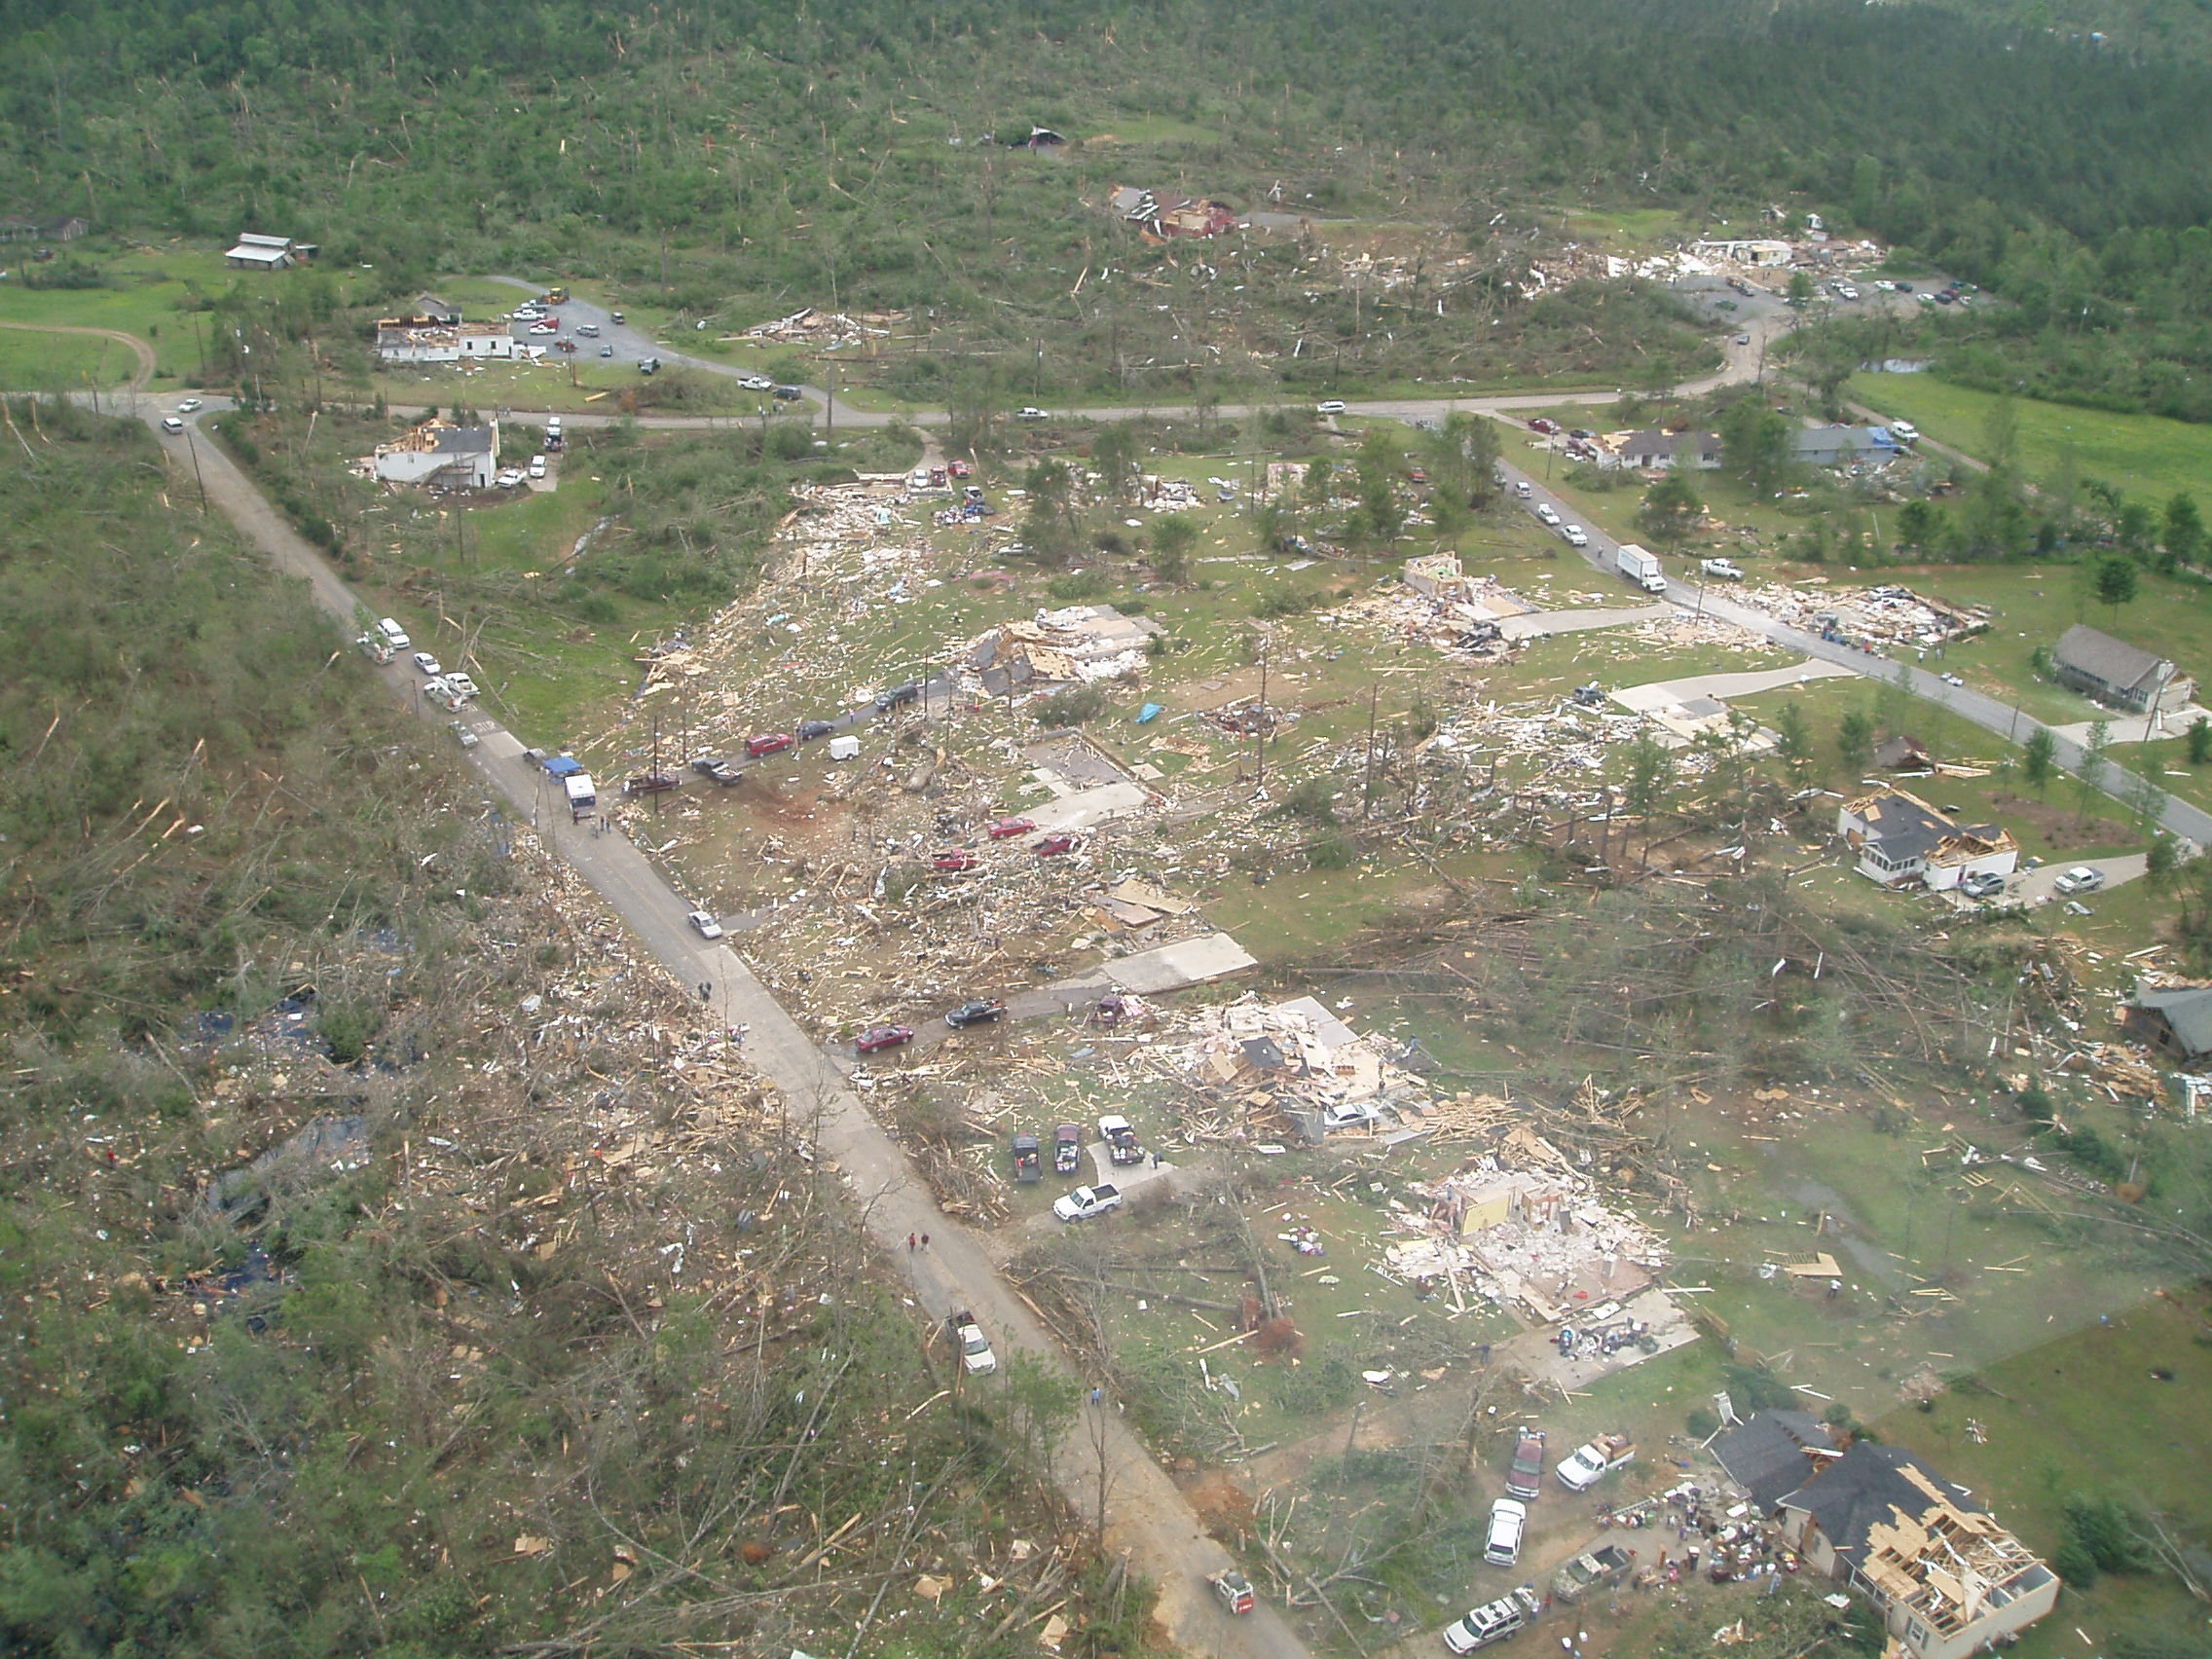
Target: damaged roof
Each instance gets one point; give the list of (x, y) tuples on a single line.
[(1869, 1486), (1770, 1456)]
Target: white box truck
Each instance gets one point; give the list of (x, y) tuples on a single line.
[(1641, 566), (583, 798)]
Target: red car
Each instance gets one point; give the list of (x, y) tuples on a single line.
[(1006, 826), (769, 743), (1541, 424), (959, 469), (877, 1038), (1055, 844), (953, 859)]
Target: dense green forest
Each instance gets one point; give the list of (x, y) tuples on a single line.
[(838, 153)]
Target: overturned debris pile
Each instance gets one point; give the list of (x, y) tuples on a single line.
[(1525, 1227)]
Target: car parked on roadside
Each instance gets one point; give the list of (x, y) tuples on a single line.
[(464, 684), (1032, 412), (768, 743), (1981, 884), (1576, 534), (651, 783), (877, 1038), (2082, 878), (1548, 514), (975, 1011), (704, 924), (1002, 828), (1334, 406), (428, 663), (1067, 1148), (172, 424), (188, 406), (809, 730), (1492, 1621), (976, 1357), (1543, 424)]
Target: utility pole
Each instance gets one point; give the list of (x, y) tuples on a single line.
[(1367, 796), (1259, 721), (191, 443), (656, 767)]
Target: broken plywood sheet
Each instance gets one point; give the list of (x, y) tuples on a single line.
[(1171, 967), (1152, 898)]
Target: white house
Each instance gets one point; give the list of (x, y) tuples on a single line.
[(1758, 252), (440, 453), (1900, 839), (414, 340)]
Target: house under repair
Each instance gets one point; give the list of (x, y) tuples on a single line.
[(1900, 839), (1949, 1581), (437, 452)]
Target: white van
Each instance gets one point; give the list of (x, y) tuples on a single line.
[(1508, 1520), (393, 634)]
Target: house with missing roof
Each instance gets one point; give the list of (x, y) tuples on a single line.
[(1839, 446), (2176, 1020), (1900, 839), (1948, 1578), (439, 453), (2114, 672)]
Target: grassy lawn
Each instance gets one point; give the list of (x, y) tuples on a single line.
[(142, 292), (2107, 1410), (2032, 604), (61, 362), (2141, 454), (552, 385)]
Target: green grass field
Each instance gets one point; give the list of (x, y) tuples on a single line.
[(63, 363), (142, 294), (2140, 454)]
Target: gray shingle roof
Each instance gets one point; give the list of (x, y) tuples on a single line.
[(1766, 1456), (1862, 1489), (2188, 1010), (2115, 662)]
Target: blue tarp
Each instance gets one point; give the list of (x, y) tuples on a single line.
[(562, 765), (1148, 714)]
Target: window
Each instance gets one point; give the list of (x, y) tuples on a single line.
[(1916, 1633)]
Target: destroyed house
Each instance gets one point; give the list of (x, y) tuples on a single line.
[(1774, 1453), (1900, 839), (1170, 216), (440, 453), (2114, 672), (1947, 1579), (2174, 1019), (1904, 753), (1060, 648)]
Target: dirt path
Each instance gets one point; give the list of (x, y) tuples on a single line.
[(139, 349)]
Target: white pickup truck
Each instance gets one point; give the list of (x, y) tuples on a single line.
[(1087, 1202), (1589, 1464), (1724, 569)]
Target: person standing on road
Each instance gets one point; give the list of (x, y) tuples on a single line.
[(925, 1241), (909, 1243)]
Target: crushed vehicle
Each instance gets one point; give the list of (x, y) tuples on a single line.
[(1053, 845), (1604, 1566), (953, 859)]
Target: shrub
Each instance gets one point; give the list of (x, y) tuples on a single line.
[(1333, 851), (1279, 602), (1701, 1423), (1078, 587), (1072, 706)]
